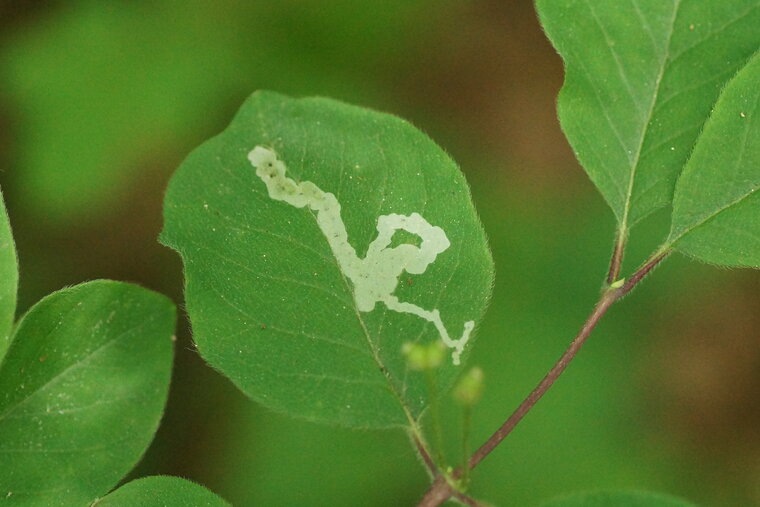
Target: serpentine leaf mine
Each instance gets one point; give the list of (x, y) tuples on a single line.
[(376, 276)]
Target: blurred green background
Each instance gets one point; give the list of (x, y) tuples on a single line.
[(100, 101)]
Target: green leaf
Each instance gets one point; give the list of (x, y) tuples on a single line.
[(163, 491), (8, 279), (716, 208), (274, 307), (641, 79), (82, 390), (617, 499)]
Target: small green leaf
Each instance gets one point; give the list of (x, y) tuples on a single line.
[(8, 279), (716, 208), (82, 390), (294, 286), (641, 79), (617, 499), (161, 490)]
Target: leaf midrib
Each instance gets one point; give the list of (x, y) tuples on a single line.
[(671, 241), (373, 349), (399, 396), (709, 217), (653, 103), (54, 380)]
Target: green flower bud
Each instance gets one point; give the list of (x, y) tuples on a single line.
[(470, 387), (424, 357)]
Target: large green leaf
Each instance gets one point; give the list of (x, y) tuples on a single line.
[(276, 307), (161, 491), (8, 279), (641, 79), (617, 499), (82, 390), (716, 208)]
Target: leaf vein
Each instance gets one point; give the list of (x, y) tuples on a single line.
[(259, 275), (713, 33), (618, 64), (648, 118), (733, 203), (75, 365)]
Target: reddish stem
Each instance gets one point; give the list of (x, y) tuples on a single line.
[(441, 490), (424, 454), (608, 298)]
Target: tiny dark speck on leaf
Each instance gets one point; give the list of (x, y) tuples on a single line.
[(263, 326), (409, 281), (42, 359)]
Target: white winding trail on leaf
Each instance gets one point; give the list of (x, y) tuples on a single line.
[(375, 277)]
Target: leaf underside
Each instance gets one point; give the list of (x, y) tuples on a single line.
[(641, 79), (82, 390), (270, 305)]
